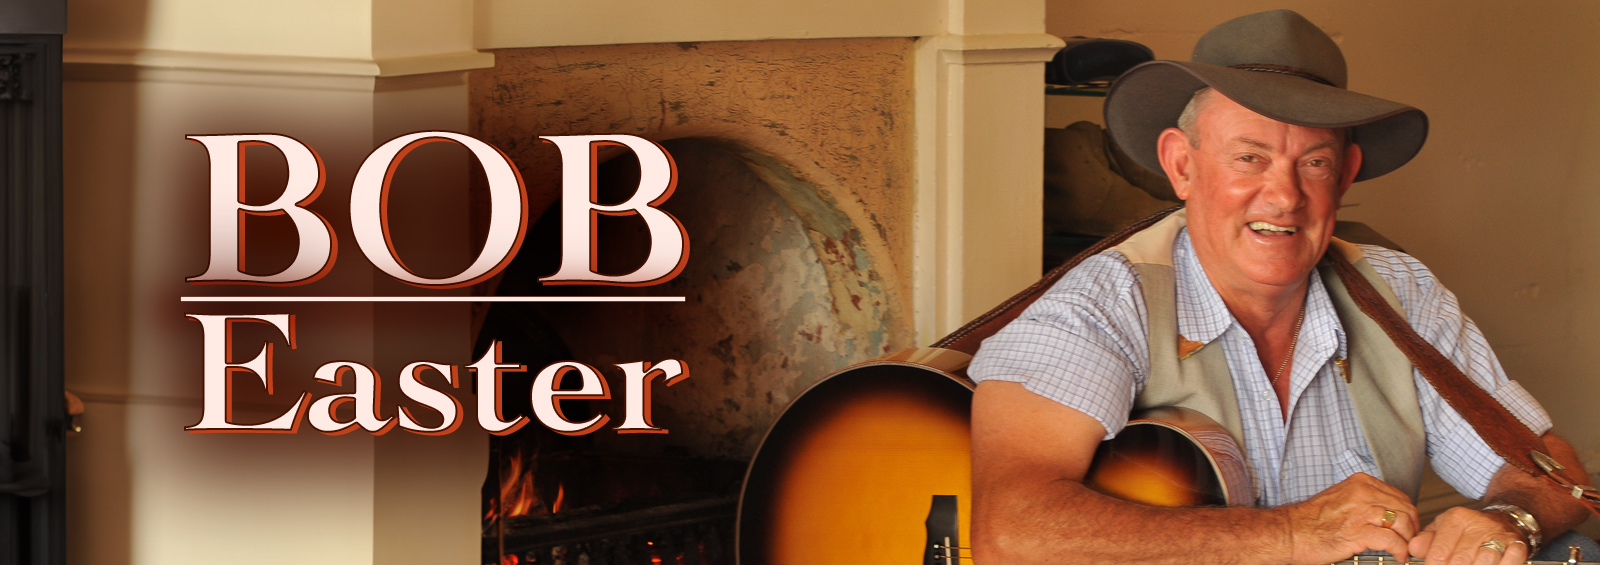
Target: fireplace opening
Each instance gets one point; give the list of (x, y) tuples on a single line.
[(760, 323)]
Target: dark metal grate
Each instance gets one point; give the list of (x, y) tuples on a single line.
[(32, 405), (693, 533)]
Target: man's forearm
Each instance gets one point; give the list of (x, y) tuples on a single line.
[(1555, 510), (1066, 522), (1029, 457)]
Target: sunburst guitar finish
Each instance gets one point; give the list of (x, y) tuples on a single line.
[(848, 473)]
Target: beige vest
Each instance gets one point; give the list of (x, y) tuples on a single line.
[(1379, 375)]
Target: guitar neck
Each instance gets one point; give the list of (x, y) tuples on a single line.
[(1359, 560)]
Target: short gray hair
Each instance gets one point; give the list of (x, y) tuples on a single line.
[(1191, 113)]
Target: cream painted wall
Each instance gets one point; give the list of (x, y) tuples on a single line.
[(343, 37), (993, 17), (1501, 203), (410, 28), (135, 191), (518, 23), (140, 76), (979, 105), (306, 28), (141, 489)]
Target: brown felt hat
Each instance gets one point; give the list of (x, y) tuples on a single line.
[(1278, 65)]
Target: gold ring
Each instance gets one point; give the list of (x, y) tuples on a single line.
[(1388, 518), (1495, 545)]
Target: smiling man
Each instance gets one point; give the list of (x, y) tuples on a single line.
[(1222, 308)]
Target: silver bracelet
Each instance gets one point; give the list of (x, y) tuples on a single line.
[(1523, 520)]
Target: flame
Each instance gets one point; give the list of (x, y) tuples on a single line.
[(516, 491), (525, 497), (561, 493), (508, 560)]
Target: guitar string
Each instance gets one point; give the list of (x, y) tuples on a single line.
[(1393, 561)]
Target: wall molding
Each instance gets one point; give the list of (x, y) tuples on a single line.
[(998, 48), (438, 63), (159, 65)]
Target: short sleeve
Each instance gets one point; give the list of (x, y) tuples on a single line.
[(1459, 454), (1082, 343)]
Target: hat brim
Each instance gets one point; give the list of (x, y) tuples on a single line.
[(1148, 99)]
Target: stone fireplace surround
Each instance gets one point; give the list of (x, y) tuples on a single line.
[(794, 185), (822, 126)]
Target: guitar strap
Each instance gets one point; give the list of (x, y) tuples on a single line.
[(967, 338), (1506, 435)]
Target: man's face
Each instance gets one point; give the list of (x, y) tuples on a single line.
[(1261, 194)]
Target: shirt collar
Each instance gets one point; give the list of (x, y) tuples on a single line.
[(1203, 316)]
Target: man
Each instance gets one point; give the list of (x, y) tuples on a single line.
[(1267, 141)]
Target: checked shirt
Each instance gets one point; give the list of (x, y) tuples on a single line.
[(1084, 344)]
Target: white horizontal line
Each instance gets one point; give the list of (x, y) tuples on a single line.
[(431, 299)]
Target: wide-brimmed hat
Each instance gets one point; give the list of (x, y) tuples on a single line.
[(1278, 65)]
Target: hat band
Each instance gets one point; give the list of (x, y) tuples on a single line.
[(1282, 70)]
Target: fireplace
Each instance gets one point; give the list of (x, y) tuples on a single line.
[(608, 509), (794, 186)]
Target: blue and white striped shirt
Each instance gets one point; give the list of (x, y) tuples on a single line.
[(1084, 344)]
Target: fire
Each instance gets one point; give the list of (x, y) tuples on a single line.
[(516, 491), (561, 493)]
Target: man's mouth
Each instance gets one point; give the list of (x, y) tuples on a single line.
[(1267, 229)]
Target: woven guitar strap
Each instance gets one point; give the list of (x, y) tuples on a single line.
[(1506, 435)]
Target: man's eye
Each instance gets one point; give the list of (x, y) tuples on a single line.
[(1249, 158), (1317, 163)]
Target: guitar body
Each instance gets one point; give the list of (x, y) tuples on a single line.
[(1172, 457), (848, 473)]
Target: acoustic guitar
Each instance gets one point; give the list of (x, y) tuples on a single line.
[(850, 471), (872, 465)]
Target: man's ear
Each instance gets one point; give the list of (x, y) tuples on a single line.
[(1352, 167), (1172, 147)]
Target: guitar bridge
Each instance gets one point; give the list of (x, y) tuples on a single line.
[(950, 553), (944, 533)]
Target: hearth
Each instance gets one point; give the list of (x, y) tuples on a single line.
[(609, 510)]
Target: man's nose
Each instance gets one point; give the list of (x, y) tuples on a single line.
[(1282, 188)]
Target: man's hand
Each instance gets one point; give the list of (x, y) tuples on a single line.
[(1348, 518), (1457, 537)]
